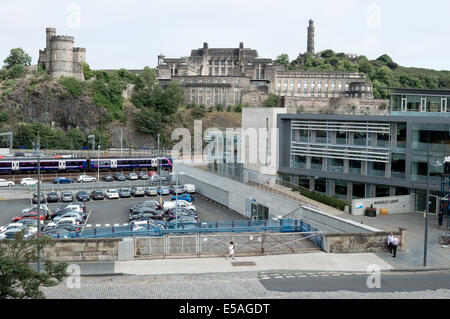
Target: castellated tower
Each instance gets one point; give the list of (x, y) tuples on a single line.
[(310, 46), (60, 57)]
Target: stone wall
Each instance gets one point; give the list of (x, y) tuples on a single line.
[(315, 105), (361, 242), (79, 250)]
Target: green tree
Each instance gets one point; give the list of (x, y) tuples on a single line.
[(282, 59), (17, 279), (327, 54), (74, 86), (148, 76), (87, 72), (272, 100), (17, 57), (149, 121)]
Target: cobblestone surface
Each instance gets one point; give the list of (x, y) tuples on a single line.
[(209, 286)]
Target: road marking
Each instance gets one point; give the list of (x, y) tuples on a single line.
[(278, 277)]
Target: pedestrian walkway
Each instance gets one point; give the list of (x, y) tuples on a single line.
[(317, 261)]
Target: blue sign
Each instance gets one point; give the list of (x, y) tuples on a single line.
[(86, 148), (23, 147)]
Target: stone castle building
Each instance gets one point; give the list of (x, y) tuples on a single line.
[(60, 57), (232, 76)]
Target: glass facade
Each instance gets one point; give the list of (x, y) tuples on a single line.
[(340, 188)]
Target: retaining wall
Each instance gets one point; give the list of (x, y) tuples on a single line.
[(361, 242)]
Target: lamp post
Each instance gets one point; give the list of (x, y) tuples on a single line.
[(98, 163), (38, 146)]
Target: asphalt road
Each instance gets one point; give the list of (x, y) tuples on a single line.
[(104, 213)]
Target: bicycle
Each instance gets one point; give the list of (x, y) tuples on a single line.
[(444, 239)]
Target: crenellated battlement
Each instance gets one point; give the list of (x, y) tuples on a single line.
[(62, 38), (80, 49)]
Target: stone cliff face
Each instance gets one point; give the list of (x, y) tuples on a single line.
[(49, 103)]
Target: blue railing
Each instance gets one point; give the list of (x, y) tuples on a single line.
[(234, 226)]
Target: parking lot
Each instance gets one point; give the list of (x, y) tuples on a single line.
[(115, 212)]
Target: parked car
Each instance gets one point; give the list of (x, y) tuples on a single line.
[(107, 178), (13, 229), (82, 196), (124, 193), (35, 199), (63, 180), (5, 183), (112, 194), (81, 205), (180, 203), (137, 191), (66, 197), (189, 188), (185, 197), (151, 191), (119, 177), (176, 190), (183, 222), (30, 215), (154, 178), (43, 207), (143, 176), (163, 190), (132, 177), (68, 227), (86, 179), (52, 197), (72, 215), (181, 212), (10, 226), (57, 233), (163, 179), (97, 195), (150, 204), (28, 181)]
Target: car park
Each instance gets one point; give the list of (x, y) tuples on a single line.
[(124, 193), (97, 195), (143, 176), (28, 181), (132, 177), (119, 177), (52, 197), (137, 191), (163, 190), (112, 194), (151, 191), (35, 199), (66, 197), (185, 197), (189, 188), (86, 179), (82, 196), (63, 180), (5, 183), (108, 178)]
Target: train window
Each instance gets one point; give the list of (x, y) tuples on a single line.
[(5, 164)]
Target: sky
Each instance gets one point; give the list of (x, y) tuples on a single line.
[(131, 34)]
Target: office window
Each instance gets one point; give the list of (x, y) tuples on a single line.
[(317, 163), (320, 185), (340, 188)]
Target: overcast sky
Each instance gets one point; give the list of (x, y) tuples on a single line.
[(130, 34)]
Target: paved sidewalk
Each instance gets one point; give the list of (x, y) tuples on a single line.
[(317, 261)]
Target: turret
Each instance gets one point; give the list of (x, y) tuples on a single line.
[(49, 32)]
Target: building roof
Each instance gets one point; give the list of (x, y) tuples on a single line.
[(417, 90)]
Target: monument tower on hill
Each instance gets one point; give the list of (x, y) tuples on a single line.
[(310, 47)]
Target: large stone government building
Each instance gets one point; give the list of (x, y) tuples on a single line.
[(60, 57), (232, 76)]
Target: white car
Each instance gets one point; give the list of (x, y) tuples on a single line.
[(43, 207), (28, 181), (5, 183), (189, 188), (181, 203), (112, 193), (17, 227), (66, 220), (74, 208), (86, 179)]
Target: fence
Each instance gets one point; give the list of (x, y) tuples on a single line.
[(207, 245)]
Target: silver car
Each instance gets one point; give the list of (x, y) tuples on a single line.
[(138, 191), (151, 191)]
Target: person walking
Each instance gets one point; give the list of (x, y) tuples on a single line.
[(389, 242), (231, 247), (394, 246)]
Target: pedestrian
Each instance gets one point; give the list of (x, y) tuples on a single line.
[(440, 218), (231, 247), (389, 242), (394, 245)]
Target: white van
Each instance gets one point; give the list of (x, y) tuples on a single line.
[(189, 188)]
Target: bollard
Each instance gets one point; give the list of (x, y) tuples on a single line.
[(217, 225), (148, 225), (182, 225), (112, 229), (95, 231)]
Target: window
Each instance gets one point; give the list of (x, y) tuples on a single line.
[(398, 165), (413, 103), (359, 138), (358, 190), (340, 188), (336, 165), (320, 185), (382, 139), (321, 136), (316, 163)]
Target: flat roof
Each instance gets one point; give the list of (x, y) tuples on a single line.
[(417, 90)]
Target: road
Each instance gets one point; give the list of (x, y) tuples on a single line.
[(250, 285)]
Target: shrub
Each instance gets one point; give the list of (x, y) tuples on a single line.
[(219, 108), (238, 109), (324, 199), (198, 113), (72, 85)]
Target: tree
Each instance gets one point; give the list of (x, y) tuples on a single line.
[(87, 72), (148, 76), (149, 121), (327, 54), (17, 279), (282, 59), (272, 100), (17, 57)]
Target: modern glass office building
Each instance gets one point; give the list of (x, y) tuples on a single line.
[(370, 156)]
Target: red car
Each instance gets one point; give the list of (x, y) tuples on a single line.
[(31, 215)]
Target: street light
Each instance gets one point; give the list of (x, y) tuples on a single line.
[(38, 146), (98, 164)]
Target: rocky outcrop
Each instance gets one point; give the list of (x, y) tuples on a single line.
[(49, 103)]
